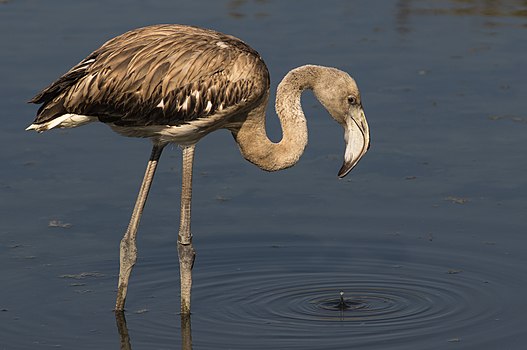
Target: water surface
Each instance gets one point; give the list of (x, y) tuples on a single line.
[(425, 237)]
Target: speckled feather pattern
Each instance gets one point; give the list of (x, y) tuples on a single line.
[(166, 75)]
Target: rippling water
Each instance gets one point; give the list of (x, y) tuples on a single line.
[(425, 238), (287, 294)]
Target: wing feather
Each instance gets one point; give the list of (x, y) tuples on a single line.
[(194, 72)]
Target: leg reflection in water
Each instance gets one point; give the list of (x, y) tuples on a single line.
[(124, 337), (186, 334)]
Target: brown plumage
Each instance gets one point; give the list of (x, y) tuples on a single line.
[(158, 75), (175, 84)]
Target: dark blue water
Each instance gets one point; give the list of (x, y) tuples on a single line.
[(425, 237)]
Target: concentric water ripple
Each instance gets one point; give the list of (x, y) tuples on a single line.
[(275, 295), (403, 298)]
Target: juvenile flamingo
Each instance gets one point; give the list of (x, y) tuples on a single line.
[(175, 84)]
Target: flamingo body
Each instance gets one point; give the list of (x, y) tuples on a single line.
[(176, 84)]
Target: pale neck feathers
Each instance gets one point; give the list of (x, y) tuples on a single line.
[(252, 138)]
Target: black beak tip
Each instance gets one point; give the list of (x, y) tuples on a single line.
[(344, 170)]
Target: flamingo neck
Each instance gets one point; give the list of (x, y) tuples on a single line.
[(252, 138)]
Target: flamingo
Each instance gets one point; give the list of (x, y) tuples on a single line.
[(175, 84)]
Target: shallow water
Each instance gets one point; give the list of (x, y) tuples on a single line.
[(425, 237)]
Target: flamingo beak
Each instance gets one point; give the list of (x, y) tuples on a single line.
[(357, 137)]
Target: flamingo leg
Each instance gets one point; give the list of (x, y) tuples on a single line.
[(186, 251), (128, 247)]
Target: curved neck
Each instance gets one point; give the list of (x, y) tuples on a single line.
[(252, 138)]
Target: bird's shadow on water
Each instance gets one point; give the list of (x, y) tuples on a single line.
[(124, 335)]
